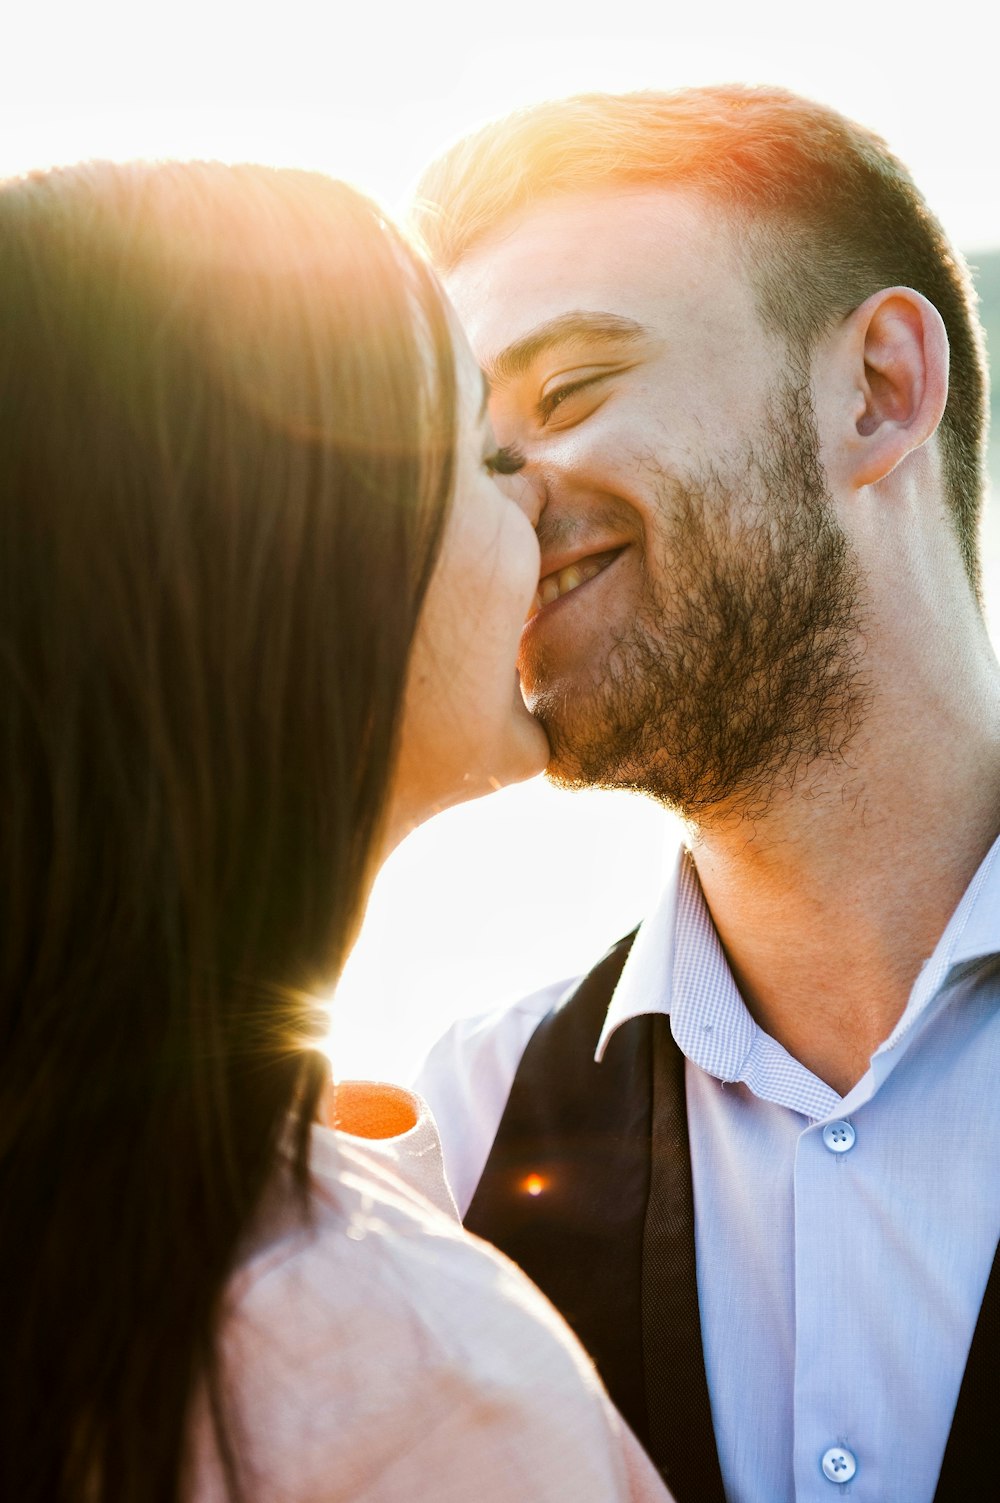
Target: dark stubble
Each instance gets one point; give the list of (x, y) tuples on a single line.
[(741, 669)]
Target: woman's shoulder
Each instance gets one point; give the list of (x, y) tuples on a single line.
[(371, 1268), (374, 1350)]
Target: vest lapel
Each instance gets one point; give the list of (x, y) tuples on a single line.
[(973, 1430), (570, 1194), (564, 1189), (681, 1438)]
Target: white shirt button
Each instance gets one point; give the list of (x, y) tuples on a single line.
[(839, 1137), (839, 1464)]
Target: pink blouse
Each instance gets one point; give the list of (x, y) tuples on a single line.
[(382, 1353)]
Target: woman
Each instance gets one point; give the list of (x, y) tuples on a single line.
[(259, 614)]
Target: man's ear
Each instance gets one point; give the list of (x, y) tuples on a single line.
[(897, 352)]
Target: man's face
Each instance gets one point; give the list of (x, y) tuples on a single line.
[(695, 636)]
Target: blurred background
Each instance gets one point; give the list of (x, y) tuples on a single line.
[(498, 897)]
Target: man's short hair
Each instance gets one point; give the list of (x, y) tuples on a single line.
[(824, 213)]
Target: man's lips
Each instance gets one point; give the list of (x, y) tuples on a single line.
[(570, 574)]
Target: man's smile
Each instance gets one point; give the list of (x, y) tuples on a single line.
[(567, 577)]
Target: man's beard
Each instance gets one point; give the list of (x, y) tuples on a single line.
[(741, 670)]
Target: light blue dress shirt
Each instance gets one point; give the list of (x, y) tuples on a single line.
[(843, 1243)]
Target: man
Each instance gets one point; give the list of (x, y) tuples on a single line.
[(755, 1155)]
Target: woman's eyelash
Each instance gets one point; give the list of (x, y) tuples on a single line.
[(548, 404), (505, 461)]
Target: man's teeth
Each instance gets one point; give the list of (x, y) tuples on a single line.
[(555, 585)]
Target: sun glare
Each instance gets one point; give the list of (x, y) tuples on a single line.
[(523, 888), (371, 98)]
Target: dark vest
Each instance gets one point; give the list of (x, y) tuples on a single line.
[(572, 1192)]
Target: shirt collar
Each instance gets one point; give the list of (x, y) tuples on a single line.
[(972, 933), (976, 924), (645, 983), (677, 966)]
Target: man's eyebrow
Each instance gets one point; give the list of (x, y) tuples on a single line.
[(594, 328)]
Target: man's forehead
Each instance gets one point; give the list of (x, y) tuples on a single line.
[(608, 254)]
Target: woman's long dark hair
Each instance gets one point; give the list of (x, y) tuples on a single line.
[(226, 434)]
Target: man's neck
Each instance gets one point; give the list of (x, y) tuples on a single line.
[(828, 906)]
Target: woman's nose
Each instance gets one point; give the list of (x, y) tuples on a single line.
[(528, 492)]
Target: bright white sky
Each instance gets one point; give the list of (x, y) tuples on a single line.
[(495, 898), (370, 90)]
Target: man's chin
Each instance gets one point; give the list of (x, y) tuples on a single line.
[(593, 750), (567, 776), (579, 756)]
